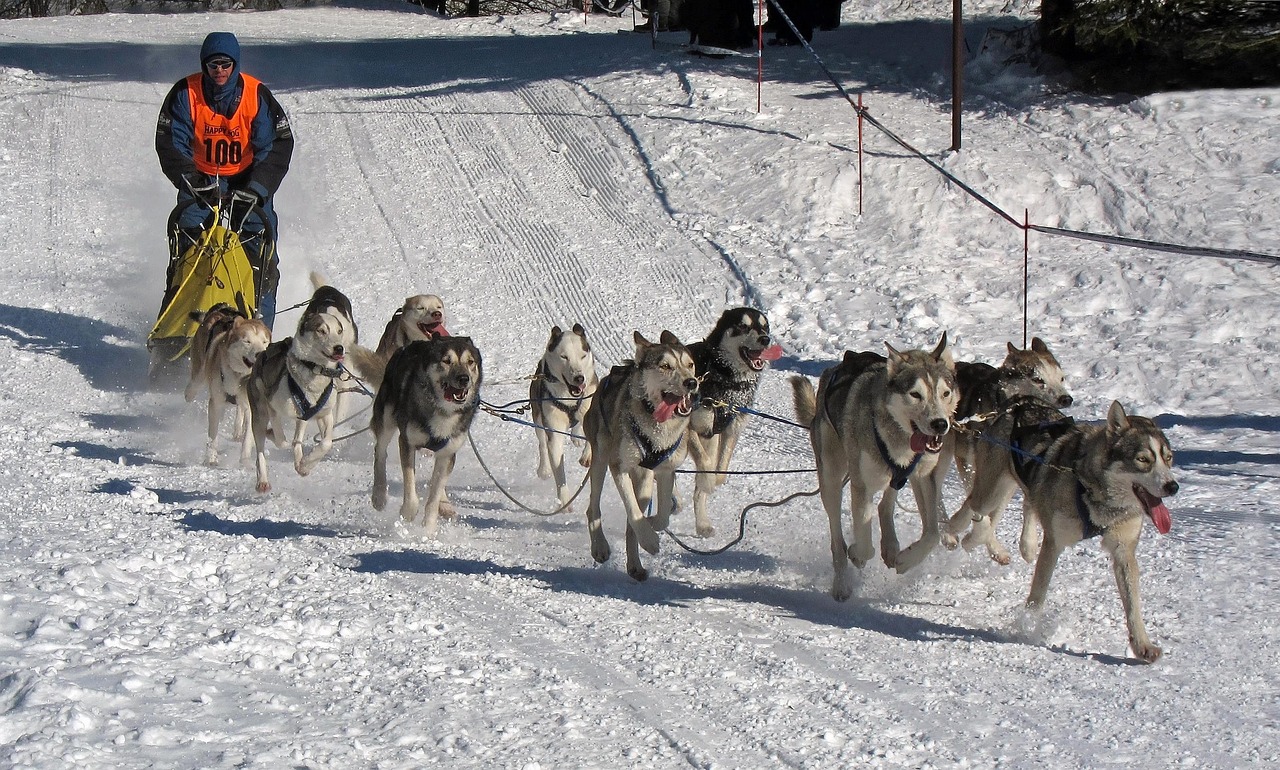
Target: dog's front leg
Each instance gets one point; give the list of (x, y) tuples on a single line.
[(727, 444), (889, 547), (216, 402), (599, 543), (261, 423), (544, 448), (408, 472), (1050, 550), (636, 521), (664, 500), (927, 490), (435, 491), (325, 423), (703, 452), (1121, 541), (555, 461)]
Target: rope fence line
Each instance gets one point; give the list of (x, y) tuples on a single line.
[(1116, 240)]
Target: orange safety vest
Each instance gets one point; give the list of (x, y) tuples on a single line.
[(222, 144)]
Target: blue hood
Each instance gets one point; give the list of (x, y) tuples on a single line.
[(224, 99), (223, 43)]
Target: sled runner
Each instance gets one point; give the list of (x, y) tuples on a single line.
[(220, 262)]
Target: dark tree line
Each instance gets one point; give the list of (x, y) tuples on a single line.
[(1153, 44)]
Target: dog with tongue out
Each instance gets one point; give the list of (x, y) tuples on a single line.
[(636, 430)]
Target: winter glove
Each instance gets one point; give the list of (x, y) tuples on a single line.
[(246, 198), (199, 184)]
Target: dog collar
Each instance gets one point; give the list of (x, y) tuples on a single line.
[(318, 369)]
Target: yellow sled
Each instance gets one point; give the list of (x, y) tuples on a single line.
[(206, 267)]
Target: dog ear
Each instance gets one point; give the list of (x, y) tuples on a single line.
[(1117, 420), (942, 353), (667, 338), (895, 359)]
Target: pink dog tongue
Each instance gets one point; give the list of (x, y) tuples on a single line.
[(1161, 517), (664, 411), (771, 353)]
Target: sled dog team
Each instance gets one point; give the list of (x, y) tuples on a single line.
[(877, 422)]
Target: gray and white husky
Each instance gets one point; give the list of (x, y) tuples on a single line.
[(729, 362), (1079, 482), (428, 395), (559, 397), (297, 380), (984, 392), (880, 424), (636, 428)]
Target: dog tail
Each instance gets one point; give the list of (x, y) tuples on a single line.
[(806, 399), (369, 366)]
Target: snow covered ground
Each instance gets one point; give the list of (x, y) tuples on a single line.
[(543, 169)]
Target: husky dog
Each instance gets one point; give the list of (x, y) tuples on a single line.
[(636, 429), (1079, 482), (985, 391), (559, 398), (429, 394), (222, 355), (879, 425), (729, 362), (421, 317), (297, 379)]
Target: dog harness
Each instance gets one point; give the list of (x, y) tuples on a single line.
[(571, 411), (900, 474), (306, 410), (1025, 464), (650, 456)]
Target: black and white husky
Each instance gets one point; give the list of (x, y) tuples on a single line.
[(637, 427), (559, 397), (729, 362), (296, 380), (428, 395)]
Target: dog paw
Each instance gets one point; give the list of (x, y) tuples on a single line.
[(890, 557), (645, 534), (1146, 651)]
